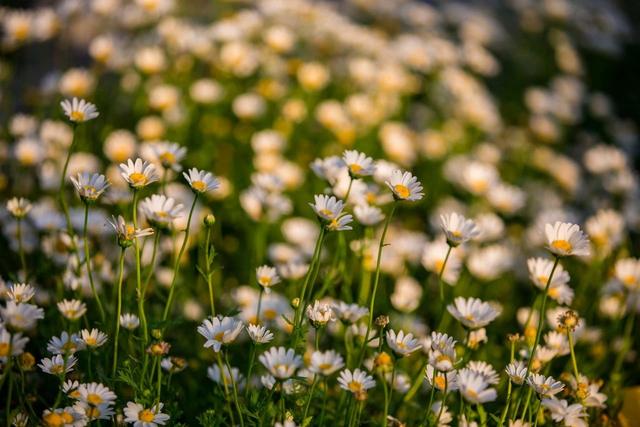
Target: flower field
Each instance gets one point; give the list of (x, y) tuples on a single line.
[(307, 213)]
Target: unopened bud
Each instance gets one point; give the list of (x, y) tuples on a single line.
[(295, 302), (209, 220), (382, 321)]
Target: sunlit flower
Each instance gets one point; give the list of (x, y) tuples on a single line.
[(441, 381), (474, 387), (140, 416), (129, 321), (280, 362), (259, 334), (58, 364), (79, 110), (402, 344), (627, 272), (359, 164), (96, 394), (325, 363), (126, 233), (18, 207), (458, 229), (328, 208), (11, 341), (544, 386), (569, 415), (472, 312), (219, 332), (356, 382), (320, 314), (72, 309), (213, 372), (138, 174), (21, 292), (368, 215), (161, 210), (350, 313), (516, 371), (405, 186), (267, 277), (65, 344), (169, 154), (21, 316), (201, 181), (93, 338), (90, 186), (565, 239)]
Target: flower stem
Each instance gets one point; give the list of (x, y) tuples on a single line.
[(573, 356), (141, 313), (87, 261), (118, 310), (23, 261), (207, 267), (376, 281), (156, 240), (176, 267)]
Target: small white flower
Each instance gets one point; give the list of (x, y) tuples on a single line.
[(129, 321), (368, 215), (280, 362), (65, 344), (140, 416), (219, 332), (213, 372), (328, 208), (402, 344), (138, 174), (19, 207), (201, 181), (516, 371), (21, 316), (325, 363), (544, 386), (93, 338), (90, 186), (405, 186), (486, 370), (161, 210), (21, 292), (72, 309), (14, 341), (627, 272), (472, 312), (341, 223), (126, 233), (267, 277), (441, 381), (96, 394), (358, 163), (474, 387), (350, 313), (169, 154), (320, 314), (356, 382), (58, 364), (569, 415), (79, 110), (259, 334), (566, 239), (458, 229)]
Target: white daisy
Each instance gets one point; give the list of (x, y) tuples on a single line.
[(328, 208), (21, 316), (72, 309), (267, 277), (472, 312), (129, 321), (259, 334), (58, 364), (93, 338), (517, 371), (138, 174), (402, 344), (126, 233), (368, 215), (569, 415), (201, 181), (566, 239), (20, 292), (544, 386), (19, 207), (320, 314), (325, 363), (140, 416), (169, 154), (90, 186), (405, 186), (79, 110), (280, 362), (458, 229), (474, 387), (356, 382), (161, 210), (358, 163), (220, 331)]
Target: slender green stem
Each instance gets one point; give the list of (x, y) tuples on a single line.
[(505, 410), (573, 356), (376, 281), (535, 424), (159, 384), (431, 396), (226, 387), (440, 282), (252, 359), (140, 295), (61, 196), (118, 311), (87, 261), (23, 261), (207, 268), (259, 305), (310, 397), (387, 399), (234, 389), (444, 398), (176, 267), (154, 252)]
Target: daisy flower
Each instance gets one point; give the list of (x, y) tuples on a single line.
[(72, 309), (213, 372), (65, 344), (327, 208), (325, 363), (93, 338), (21, 316), (472, 312), (173, 364), (484, 369), (368, 215), (341, 223), (349, 313), (16, 342), (569, 415), (402, 344), (517, 372), (126, 233), (68, 416), (267, 277), (79, 110), (627, 272), (201, 181), (140, 416), (93, 412), (19, 207), (356, 382), (566, 239), (259, 334), (441, 380), (89, 186), (58, 364), (404, 186), (280, 362), (320, 314), (544, 386), (474, 387), (443, 360), (458, 229), (96, 394), (129, 321), (169, 154), (220, 331), (20, 292), (161, 210), (138, 174), (359, 164), (540, 270)]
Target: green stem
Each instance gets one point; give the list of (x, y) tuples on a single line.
[(573, 356), (156, 240), (23, 261), (176, 267), (310, 397), (61, 196), (440, 282), (503, 417), (118, 311), (140, 295), (376, 281), (207, 267), (87, 261)]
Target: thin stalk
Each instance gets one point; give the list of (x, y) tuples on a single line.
[(444, 399), (154, 252), (61, 197), (310, 397), (235, 390), (207, 268), (376, 281), (118, 311), (440, 282), (503, 417), (252, 359), (573, 356), (159, 384), (23, 261), (87, 261), (176, 267)]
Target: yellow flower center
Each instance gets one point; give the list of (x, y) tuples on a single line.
[(198, 185), (326, 212), (561, 245), (146, 416), (90, 341), (92, 412), (77, 116), (554, 292), (439, 382), (355, 386), (21, 31), (138, 178), (479, 185), (89, 191), (4, 349), (57, 369), (167, 158), (472, 393), (325, 366), (94, 399), (53, 420), (75, 394), (355, 168), (67, 418), (402, 191), (218, 336), (543, 279), (269, 314), (265, 280), (629, 280)]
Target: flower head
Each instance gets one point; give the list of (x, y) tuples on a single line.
[(320, 314), (19, 207), (93, 338), (358, 163), (402, 344), (259, 334), (280, 362), (161, 210), (472, 312), (138, 174), (474, 387), (140, 416), (566, 239), (90, 186), (325, 363), (72, 309), (169, 154), (356, 382), (458, 229), (79, 110), (220, 331), (544, 386), (201, 181), (126, 233), (267, 277), (405, 186), (58, 364), (21, 292)]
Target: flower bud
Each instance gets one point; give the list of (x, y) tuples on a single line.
[(209, 220)]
